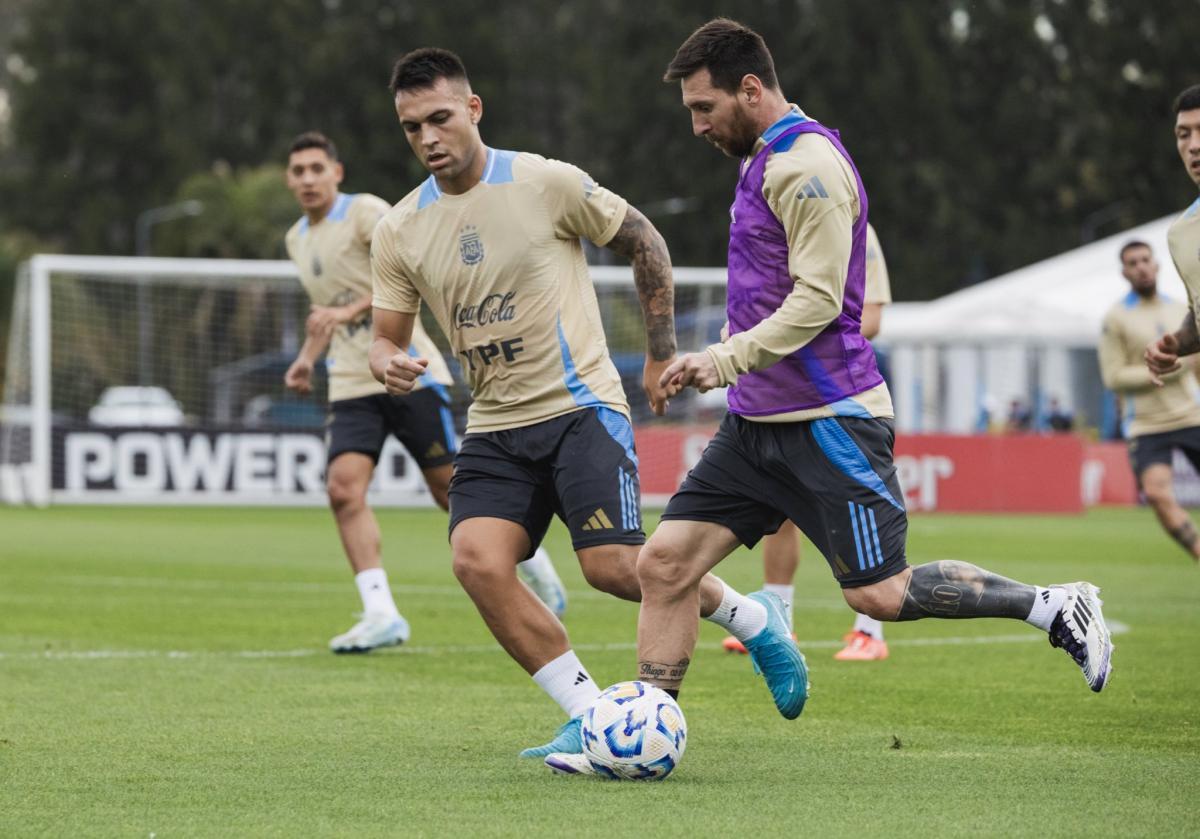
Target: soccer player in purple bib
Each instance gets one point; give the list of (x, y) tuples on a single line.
[(808, 435), (809, 432)]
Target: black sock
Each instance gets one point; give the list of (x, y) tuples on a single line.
[(674, 694)]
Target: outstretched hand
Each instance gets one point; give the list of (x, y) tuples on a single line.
[(695, 369)]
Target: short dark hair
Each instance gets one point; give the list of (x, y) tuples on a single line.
[(313, 140), (1189, 100), (1131, 244), (729, 51), (422, 68)]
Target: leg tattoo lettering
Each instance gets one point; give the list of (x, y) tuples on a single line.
[(952, 589), (666, 676)]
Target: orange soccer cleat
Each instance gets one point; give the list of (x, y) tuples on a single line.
[(733, 645), (863, 647)]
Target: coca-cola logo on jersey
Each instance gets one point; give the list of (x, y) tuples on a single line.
[(495, 308)]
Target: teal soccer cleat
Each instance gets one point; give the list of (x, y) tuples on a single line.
[(778, 659), (568, 739)]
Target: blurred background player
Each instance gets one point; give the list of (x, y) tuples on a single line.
[(781, 550), (1157, 420), (491, 243), (330, 245), (809, 432)]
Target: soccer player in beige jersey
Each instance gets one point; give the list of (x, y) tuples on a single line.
[(330, 245), (781, 550), (1157, 420), (1183, 239), (491, 243)]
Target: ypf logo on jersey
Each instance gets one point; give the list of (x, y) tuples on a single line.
[(470, 246)]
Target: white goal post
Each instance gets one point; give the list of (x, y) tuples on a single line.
[(145, 380)]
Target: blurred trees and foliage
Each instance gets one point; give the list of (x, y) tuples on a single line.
[(990, 133)]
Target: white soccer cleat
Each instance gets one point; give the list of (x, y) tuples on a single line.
[(539, 575), (562, 763), (1079, 628), (374, 630)]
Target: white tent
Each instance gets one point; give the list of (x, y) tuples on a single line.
[(1029, 335)]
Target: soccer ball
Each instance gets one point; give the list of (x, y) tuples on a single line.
[(634, 731)]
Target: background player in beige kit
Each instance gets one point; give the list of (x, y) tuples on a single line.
[(1157, 420), (491, 243), (330, 245), (1183, 239)]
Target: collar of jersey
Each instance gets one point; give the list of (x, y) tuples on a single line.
[(497, 169), (337, 212)]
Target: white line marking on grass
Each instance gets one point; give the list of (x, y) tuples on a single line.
[(1116, 628), (234, 586)]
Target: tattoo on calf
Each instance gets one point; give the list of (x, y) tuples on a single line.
[(952, 589), (1185, 535), (638, 241), (665, 676)]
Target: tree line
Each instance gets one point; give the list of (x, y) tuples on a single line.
[(989, 133)]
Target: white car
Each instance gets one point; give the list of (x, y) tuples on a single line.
[(134, 406)]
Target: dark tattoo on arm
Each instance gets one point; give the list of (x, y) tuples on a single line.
[(1188, 337), (638, 241), (952, 589), (666, 676), (1185, 535)]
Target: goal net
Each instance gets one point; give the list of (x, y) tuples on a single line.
[(160, 381)]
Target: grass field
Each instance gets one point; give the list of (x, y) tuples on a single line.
[(163, 673)]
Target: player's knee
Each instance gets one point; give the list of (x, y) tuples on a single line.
[(1157, 494), (663, 571), (614, 571), (873, 602), (343, 495), (475, 569)]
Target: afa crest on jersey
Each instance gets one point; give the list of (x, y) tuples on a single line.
[(470, 246)]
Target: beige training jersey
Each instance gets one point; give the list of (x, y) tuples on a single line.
[(879, 286), (502, 269), (1148, 409), (819, 235), (333, 257), (1183, 240)]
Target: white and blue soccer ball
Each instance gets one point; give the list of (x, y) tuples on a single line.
[(634, 731)]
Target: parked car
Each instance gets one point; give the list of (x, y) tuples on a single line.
[(133, 406)]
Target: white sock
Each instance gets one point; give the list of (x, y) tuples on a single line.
[(373, 589), (568, 684), (870, 626), (538, 565), (742, 617), (1046, 605), (785, 593)]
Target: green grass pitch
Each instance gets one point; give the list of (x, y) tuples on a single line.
[(164, 673)]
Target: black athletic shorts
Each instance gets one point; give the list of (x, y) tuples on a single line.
[(421, 421), (1149, 449), (581, 467), (833, 477)]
